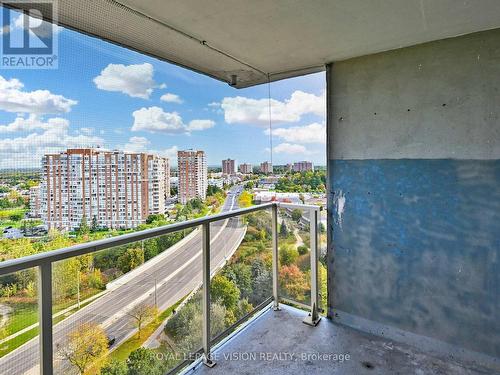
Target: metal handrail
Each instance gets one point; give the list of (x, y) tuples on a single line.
[(14, 265), (44, 263)]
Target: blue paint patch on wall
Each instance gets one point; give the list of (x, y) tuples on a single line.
[(416, 245)]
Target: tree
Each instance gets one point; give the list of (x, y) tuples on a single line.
[(224, 291), (142, 314), (283, 229), (322, 228), (241, 274), (94, 226), (85, 347), (83, 229), (294, 282), (115, 367), (155, 217), (143, 361), (245, 199), (302, 249), (296, 215), (288, 255), (130, 259)]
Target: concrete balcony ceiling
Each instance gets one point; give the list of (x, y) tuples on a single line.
[(245, 43)]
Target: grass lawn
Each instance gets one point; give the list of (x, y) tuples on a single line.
[(25, 313), (122, 352)]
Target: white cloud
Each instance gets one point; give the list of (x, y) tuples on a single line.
[(133, 80), (142, 144), (171, 98), (289, 148), (256, 111), (136, 144), (195, 125), (14, 99), (156, 120), (171, 153), (22, 124), (313, 133), (27, 151)]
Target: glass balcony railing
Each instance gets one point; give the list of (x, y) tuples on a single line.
[(182, 296)]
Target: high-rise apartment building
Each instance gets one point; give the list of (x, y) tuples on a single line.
[(266, 167), (192, 166), (246, 168), (34, 201), (303, 166), (112, 188), (228, 166)]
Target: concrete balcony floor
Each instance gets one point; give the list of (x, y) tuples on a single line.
[(278, 334)]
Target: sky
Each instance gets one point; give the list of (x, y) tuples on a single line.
[(108, 96)]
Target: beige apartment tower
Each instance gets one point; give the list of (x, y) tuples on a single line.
[(246, 168), (112, 188), (228, 166), (193, 181), (266, 167)]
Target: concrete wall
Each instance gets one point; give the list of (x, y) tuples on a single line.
[(414, 203)]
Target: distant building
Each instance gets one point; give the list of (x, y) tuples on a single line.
[(266, 167), (192, 166), (246, 168), (117, 189), (228, 167), (218, 182), (34, 201), (303, 166)]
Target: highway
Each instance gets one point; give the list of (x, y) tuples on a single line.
[(176, 274)]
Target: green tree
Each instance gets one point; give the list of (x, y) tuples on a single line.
[(155, 217), (296, 215), (322, 228), (130, 259), (94, 226), (225, 292), (115, 367), (241, 274), (283, 229), (143, 361), (288, 255), (83, 229), (302, 249)]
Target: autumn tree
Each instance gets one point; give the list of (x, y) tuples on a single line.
[(294, 282), (85, 347), (130, 259), (142, 314)]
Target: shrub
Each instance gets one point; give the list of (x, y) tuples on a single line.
[(288, 255), (302, 249)]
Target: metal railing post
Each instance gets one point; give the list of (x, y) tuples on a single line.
[(276, 301), (45, 317), (313, 318), (205, 238)]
